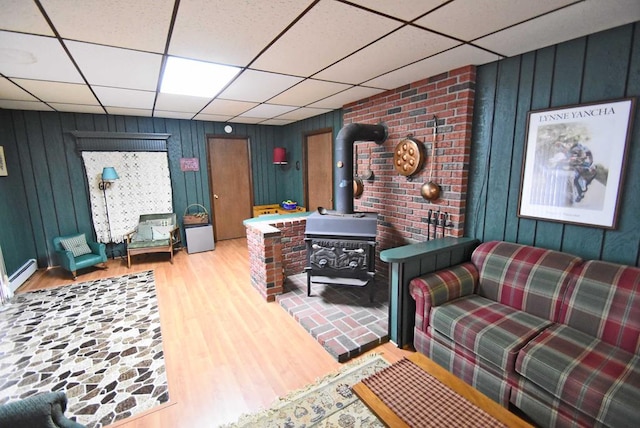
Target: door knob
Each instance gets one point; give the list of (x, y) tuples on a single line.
[(215, 196)]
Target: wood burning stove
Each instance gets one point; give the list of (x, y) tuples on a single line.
[(341, 249), (341, 244)]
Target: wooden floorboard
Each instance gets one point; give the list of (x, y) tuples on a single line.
[(227, 351)]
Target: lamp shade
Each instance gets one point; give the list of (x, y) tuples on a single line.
[(109, 174), (279, 156)]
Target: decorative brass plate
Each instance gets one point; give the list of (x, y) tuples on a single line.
[(409, 157)]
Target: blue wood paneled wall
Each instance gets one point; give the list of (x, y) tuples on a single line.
[(597, 67), (46, 194), (291, 183)]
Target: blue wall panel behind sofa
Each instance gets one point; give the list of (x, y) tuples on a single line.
[(597, 67)]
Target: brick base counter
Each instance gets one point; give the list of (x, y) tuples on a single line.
[(276, 250)]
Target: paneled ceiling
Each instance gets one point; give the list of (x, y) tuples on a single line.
[(298, 58)]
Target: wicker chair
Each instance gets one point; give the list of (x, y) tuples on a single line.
[(155, 233)]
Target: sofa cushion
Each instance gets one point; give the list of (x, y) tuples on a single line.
[(485, 377), (76, 244), (149, 244), (144, 232), (604, 302), (495, 332), (527, 278), (600, 380), (161, 232)]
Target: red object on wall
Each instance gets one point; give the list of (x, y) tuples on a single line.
[(279, 156)]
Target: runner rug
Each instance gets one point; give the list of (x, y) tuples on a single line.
[(98, 341), (327, 403)]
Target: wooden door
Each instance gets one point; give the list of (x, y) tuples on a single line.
[(318, 151), (230, 184)]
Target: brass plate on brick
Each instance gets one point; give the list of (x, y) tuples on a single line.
[(409, 157)]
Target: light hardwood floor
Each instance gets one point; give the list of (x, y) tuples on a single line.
[(227, 351)]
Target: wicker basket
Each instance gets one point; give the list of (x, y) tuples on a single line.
[(200, 217)]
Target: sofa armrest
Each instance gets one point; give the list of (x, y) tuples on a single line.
[(67, 261), (98, 248), (437, 288)]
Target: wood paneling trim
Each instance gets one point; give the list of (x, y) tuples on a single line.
[(597, 67)]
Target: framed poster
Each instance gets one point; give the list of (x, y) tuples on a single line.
[(574, 162), (189, 164), (3, 163)]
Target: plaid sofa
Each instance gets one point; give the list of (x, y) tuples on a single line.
[(545, 331)]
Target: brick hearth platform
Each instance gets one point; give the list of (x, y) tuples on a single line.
[(341, 319)]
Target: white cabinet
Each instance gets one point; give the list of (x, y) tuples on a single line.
[(199, 238)]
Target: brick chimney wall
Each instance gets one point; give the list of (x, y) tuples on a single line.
[(409, 111)]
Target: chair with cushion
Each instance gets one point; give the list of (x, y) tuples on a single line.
[(155, 233), (45, 410), (76, 252)]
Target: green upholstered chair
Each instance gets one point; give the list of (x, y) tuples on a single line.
[(155, 233), (76, 252), (44, 410)]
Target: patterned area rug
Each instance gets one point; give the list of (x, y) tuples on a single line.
[(327, 403), (99, 342)]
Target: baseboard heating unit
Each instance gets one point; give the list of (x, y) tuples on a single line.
[(22, 274)]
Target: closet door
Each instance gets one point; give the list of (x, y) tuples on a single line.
[(231, 185), (318, 150)]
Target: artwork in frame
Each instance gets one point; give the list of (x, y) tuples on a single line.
[(574, 162), (3, 163), (189, 164)]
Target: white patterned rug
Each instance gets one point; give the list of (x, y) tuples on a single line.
[(98, 341), (327, 403)]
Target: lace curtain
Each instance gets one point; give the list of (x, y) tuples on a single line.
[(143, 187)]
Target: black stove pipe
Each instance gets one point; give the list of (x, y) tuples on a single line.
[(343, 169)]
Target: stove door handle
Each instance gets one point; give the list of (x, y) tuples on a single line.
[(319, 247), (356, 250)]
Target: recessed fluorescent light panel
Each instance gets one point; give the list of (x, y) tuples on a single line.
[(195, 78)]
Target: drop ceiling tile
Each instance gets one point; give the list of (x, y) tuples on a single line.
[(140, 24), (407, 45), (180, 103), (350, 95), (24, 105), (9, 91), (129, 111), (230, 32), (569, 23), (121, 68), (404, 9), (303, 113), (267, 111), (213, 117), (172, 114), (277, 122), (77, 108), (308, 92), (227, 107), (446, 61), (248, 120), (59, 92), (327, 33), (258, 86), (35, 57), (23, 16), (129, 98), (470, 19)]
